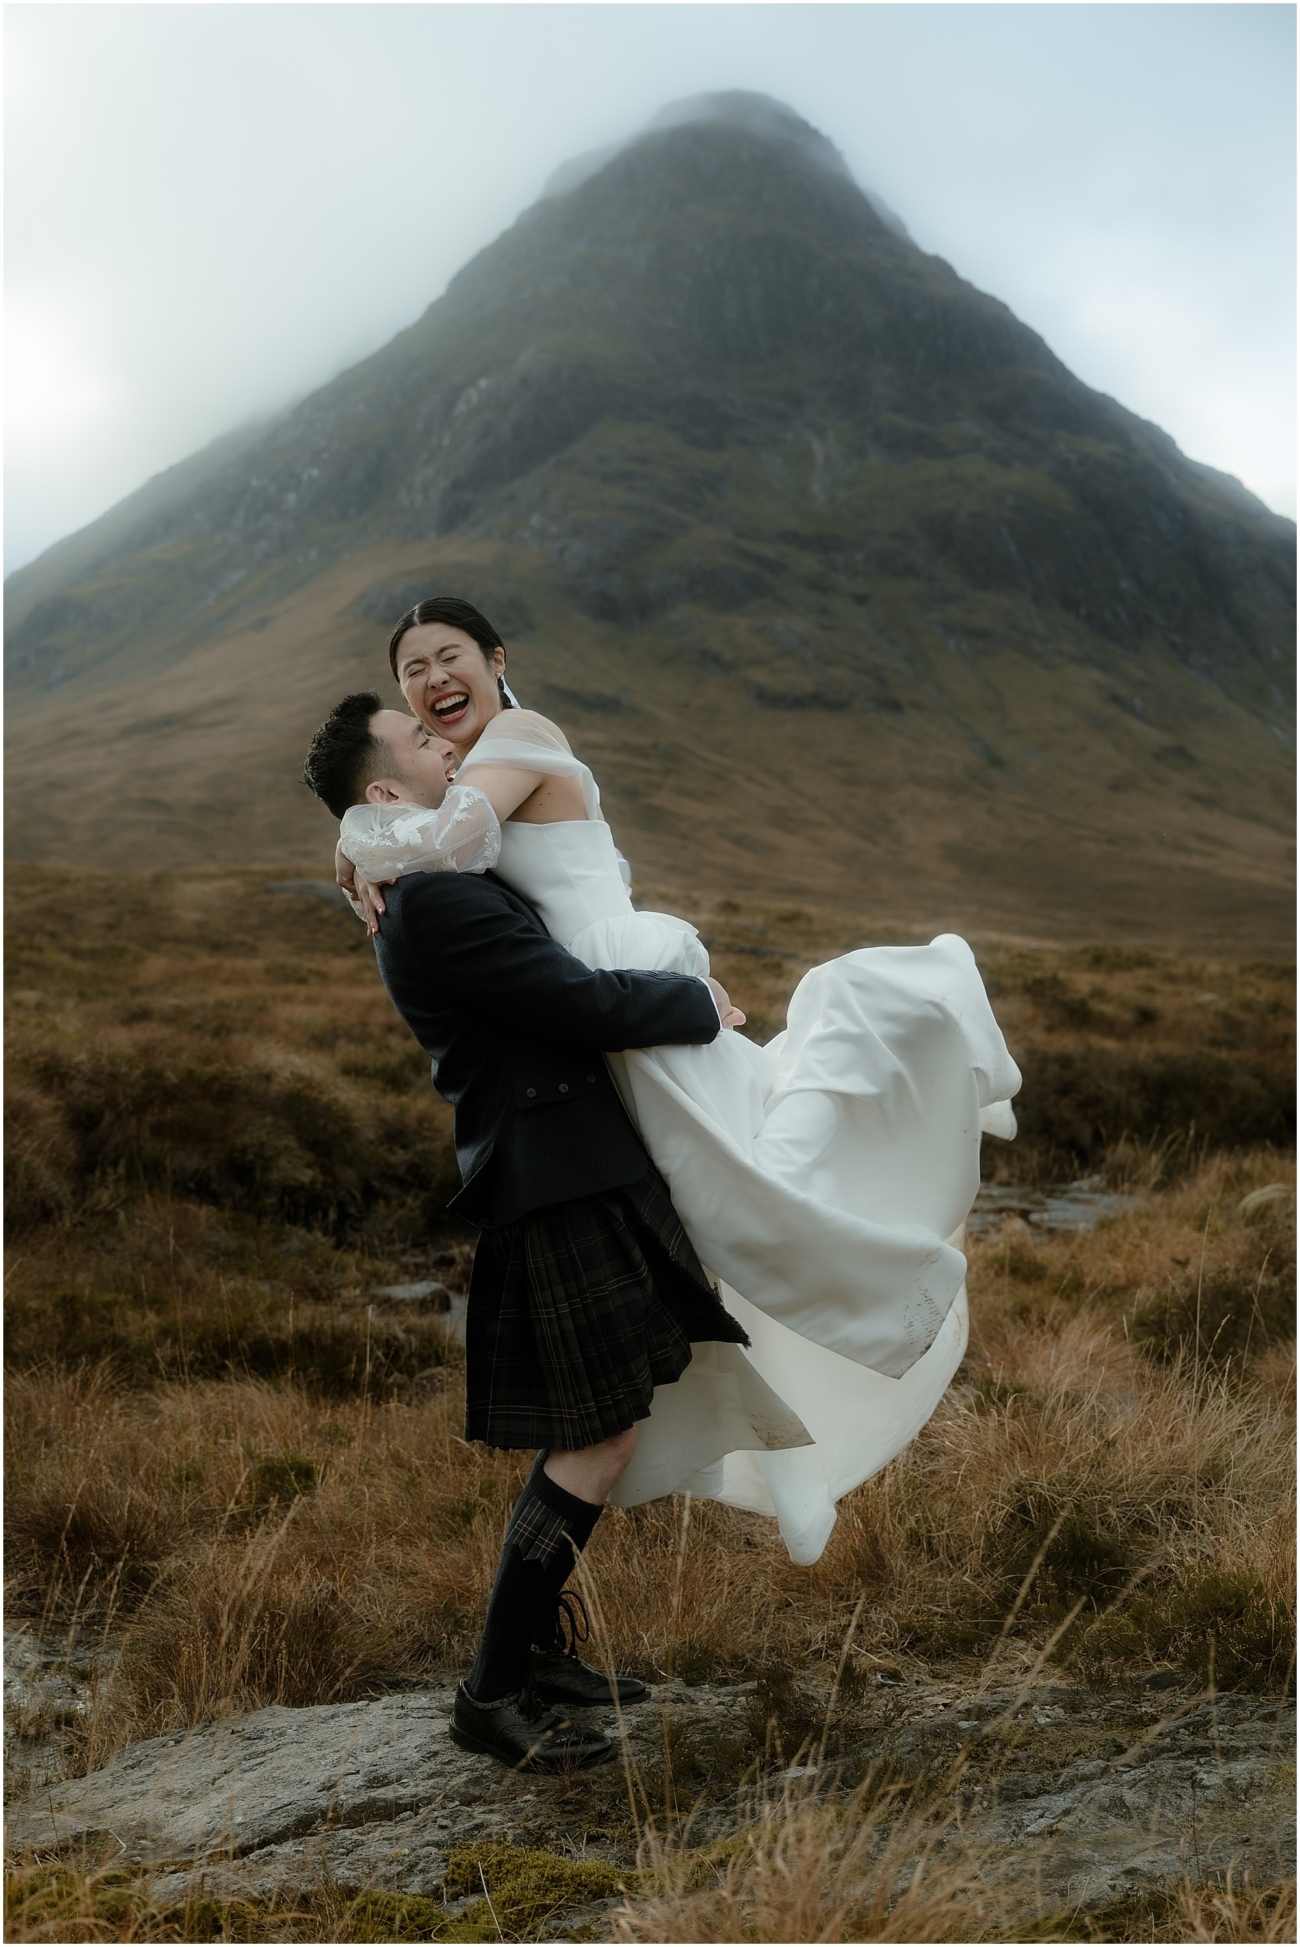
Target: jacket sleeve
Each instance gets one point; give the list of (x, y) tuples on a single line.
[(481, 952)]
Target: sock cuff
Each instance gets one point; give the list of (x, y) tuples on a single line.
[(578, 1514), (548, 1523)]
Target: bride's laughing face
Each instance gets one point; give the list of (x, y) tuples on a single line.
[(449, 682)]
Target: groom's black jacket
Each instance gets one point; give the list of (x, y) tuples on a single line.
[(514, 1026)]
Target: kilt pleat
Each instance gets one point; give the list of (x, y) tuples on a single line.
[(577, 1312)]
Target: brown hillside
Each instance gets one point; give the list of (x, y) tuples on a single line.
[(847, 589)]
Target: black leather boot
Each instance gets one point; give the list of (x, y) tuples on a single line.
[(521, 1732), (560, 1678)]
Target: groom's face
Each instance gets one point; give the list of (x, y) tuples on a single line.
[(421, 765)]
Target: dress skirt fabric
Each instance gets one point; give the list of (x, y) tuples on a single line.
[(577, 1313)]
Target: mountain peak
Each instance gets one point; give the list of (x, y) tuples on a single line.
[(738, 108), (760, 115)]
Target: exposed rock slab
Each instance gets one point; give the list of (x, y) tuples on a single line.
[(253, 1783), (1189, 1795), (1101, 1797)]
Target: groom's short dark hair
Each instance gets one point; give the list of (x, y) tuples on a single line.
[(345, 755)]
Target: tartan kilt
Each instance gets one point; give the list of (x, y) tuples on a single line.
[(577, 1312)]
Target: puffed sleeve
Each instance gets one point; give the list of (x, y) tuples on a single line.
[(387, 841)]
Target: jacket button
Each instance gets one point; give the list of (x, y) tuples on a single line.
[(564, 1088), (530, 1092), (591, 1078)]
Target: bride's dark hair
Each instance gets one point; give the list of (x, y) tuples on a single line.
[(457, 615)]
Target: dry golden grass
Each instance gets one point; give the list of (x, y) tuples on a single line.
[(203, 1034), (1233, 1912), (246, 1475), (801, 1874), (209, 1036), (868, 1867), (257, 1543), (873, 1868)]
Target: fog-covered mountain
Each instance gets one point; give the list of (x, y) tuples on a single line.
[(794, 529)]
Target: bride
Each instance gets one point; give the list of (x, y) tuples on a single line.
[(824, 1179)]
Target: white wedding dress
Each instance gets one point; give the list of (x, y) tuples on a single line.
[(824, 1179)]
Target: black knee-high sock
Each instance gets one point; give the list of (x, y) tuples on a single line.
[(548, 1530)]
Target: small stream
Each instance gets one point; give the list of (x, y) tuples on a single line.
[(1061, 1206)]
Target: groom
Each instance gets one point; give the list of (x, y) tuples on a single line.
[(586, 1293)]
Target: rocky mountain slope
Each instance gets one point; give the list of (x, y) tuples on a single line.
[(840, 579)]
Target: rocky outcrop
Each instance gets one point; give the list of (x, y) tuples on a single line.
[(1100, 1797)]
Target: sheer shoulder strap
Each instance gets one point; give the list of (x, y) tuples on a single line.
[(524, 741), (387, 841), (520, 727)]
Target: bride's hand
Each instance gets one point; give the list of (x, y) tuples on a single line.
[(364, 893), (731, 1016)]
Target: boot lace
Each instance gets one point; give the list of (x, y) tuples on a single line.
[(571, 1617)]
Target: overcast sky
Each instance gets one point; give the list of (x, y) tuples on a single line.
[(212, 209)]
